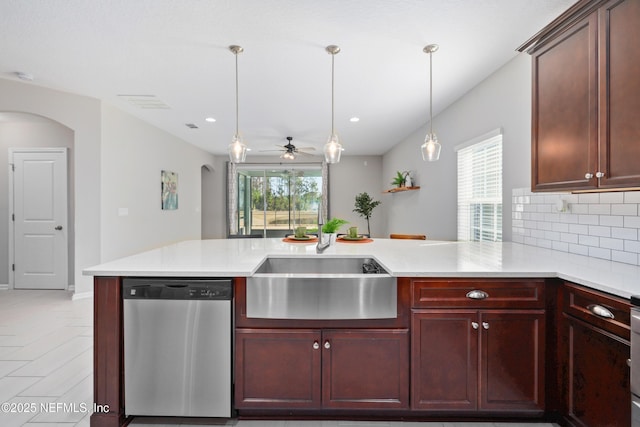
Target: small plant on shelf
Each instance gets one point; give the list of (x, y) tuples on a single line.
[(364, 207), (400, 179)]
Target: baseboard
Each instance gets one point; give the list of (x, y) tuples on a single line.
[(4, 287), (82, 295)]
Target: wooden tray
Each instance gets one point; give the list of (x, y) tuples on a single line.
[(290, 240), (365, 240)]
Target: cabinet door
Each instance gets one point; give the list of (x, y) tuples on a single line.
[(565, 112), (595, 375), (444, 359), (619, 49), (365, 369), (277, 368), (512, 360)]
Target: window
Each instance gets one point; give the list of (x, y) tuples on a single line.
[(272, 200), (480, 189)]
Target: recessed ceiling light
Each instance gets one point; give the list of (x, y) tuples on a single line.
[(210, 119), (354, 119)]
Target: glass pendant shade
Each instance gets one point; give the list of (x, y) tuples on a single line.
[(430, 148), (237, 150), (333, 149), (288, 155)]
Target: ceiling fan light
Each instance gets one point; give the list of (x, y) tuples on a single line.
[(333, 149), (430, 148), (288, 155), (237, 150)]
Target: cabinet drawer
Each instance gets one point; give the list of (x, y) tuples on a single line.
[(478, 293), (594, 307)]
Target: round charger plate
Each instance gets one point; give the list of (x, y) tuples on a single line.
[(346, 239), (294, 239)]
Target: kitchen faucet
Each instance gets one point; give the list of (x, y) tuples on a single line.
[(321, 246)]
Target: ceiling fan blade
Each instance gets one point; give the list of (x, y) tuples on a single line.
[(306, 148), (263, 151), (305, 154)]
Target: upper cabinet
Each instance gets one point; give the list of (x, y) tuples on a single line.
[(586, 98)]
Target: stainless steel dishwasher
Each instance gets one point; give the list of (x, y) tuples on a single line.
[(177, 347)]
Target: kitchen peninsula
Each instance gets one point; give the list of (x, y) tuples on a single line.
[(528, 290)]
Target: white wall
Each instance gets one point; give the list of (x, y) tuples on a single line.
[(133, 155), (20, 130), (503, 100), (82, 115), (352, 176)]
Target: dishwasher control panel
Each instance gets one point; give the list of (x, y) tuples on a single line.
[(177, 289)]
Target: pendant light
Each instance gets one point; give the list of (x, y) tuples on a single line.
[(431, 147), (333, 148), (237, 148)]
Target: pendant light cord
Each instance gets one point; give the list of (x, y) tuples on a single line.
[(430, 95), (237, 102), (333, 57)]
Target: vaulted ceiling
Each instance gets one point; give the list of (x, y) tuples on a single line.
[(175, 53)]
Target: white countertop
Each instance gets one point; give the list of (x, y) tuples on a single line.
[(402, 258)]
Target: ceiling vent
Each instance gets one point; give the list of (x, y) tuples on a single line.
[(147, 102)]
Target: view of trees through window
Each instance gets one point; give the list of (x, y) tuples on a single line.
[(275, 202)]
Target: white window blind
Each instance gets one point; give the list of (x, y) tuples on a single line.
[(480, 191)]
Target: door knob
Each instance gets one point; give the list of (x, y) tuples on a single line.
[(316, 345), (58, 227), (474, 325), (588, 175), (327, 345)]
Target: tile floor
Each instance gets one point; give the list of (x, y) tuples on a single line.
[(46, 359)]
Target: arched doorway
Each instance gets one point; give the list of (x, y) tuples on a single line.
[(27, 132)]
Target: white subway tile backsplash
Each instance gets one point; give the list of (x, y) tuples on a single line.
[(589, 240), (560, 246), (601, 209), (625, 257), (600, 253), (624, 233), (578, 229), (589, 198), (578, 249), (561, 227), (588, 219), (615, 197), (597, 230), (598, 225), (632, 222), (569, 237), (578, 208), (617, 244), (632, 246), (626, 209), (632, 197), (611, 221)]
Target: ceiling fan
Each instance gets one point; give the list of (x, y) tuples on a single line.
[(290, 151)]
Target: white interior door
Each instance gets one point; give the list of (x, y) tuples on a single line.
[(40, 246)]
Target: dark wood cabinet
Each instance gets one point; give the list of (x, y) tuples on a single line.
[(329, 369), (478, 345), (594, 375), (487, 360), (586, 98)]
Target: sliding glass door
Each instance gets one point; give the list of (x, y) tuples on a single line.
[(272, 200)]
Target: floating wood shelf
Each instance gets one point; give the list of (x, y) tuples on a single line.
[(396, 190)]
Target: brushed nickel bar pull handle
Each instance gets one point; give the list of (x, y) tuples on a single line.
[(600, 311), (477, 294)]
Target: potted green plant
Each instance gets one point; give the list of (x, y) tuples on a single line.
[(399, 179), (364, 207), (331, 227)]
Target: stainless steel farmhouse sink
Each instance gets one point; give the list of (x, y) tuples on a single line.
[(321, 288)]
